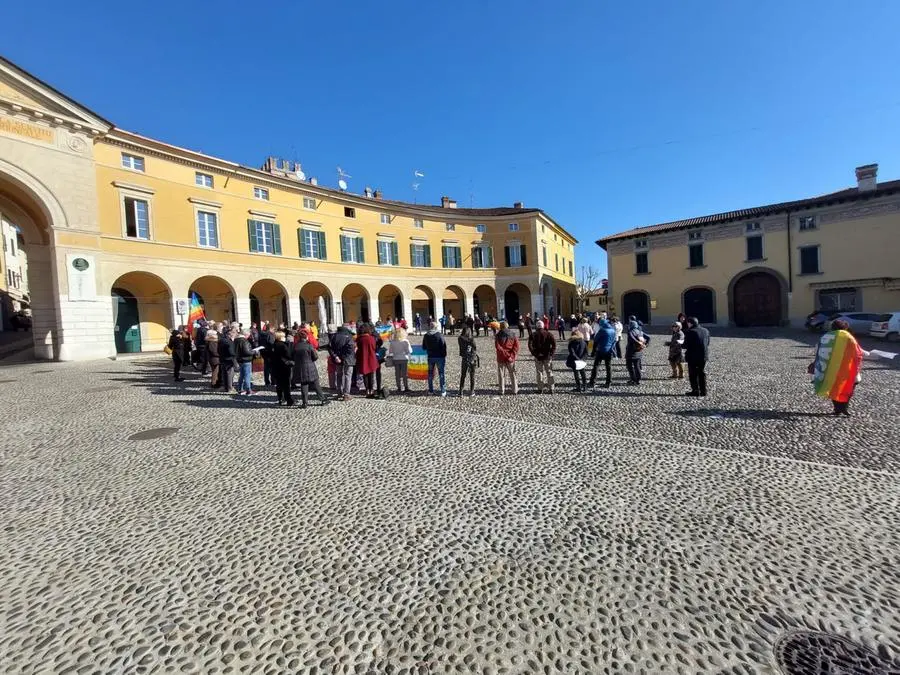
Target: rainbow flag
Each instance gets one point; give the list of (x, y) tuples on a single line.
[(195, 312), (417, 368), (837, 364), (385, 331)]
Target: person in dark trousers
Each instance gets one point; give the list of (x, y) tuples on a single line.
[(696, 353), (200, 344), (366, 358), (604, 346), (343, 351), (226, 360), (282, 361), (636, 341), (542, 346), (266, 340), (436, 348), (305, 357), (212, 349), (468, 353), (180, 345), (576, 357)]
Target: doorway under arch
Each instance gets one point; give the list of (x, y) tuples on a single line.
[(355, 303), (217, 298), (390, 302), (142, 312), (423, 303), (485, 300), (699, 302), (637, 304), (268, 303), (517, 302), (455, 302), (758, 297), (309, 303)]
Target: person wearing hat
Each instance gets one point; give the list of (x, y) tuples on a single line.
[(676, 355), (542, 346), (604, 344), (636, 342)]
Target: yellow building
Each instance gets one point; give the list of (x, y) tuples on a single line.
[(765, 266), (596, 301), (122, 229)]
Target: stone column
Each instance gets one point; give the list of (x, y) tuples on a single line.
[(294, 311), (338, 309), (537, 304), (242, 307), (407, 309), (470, 304), (438, 307)]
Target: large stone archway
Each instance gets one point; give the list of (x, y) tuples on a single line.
[(142, 312), (758, 297)]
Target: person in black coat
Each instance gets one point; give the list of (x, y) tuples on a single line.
[(305, 357), (226, 360), (696, 353), (266, 340), (281, 362), (200, 343), (180, 346), (636, 340), (578, 352)]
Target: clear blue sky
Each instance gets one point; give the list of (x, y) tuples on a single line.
[(608, 115)]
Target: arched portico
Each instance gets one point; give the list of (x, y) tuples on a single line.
[(355, 303), (485, 300), (142, 312)]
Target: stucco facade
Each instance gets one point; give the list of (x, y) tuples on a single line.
[(120, 229), (835, 252)]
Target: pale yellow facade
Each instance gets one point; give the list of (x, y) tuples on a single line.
[(836, 252), (140, 226)]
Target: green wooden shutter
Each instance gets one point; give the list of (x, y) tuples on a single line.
[(524, 259), (379, 249), (395, 253), (427, 248), (345, 254), (506, 254), (361, 249), (490, 257), (251, 232), (276, 238), (322, 251), (412, 255), (304, 251), (444, 257)]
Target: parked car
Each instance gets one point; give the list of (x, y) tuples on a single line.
[(886, 327), (21, 320), (860, 322), (816, 320)]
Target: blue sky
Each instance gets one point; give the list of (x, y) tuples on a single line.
[(608, 115)]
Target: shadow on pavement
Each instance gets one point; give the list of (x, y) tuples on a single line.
[(747, 414)]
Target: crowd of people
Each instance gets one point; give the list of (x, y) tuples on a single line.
[(356, 353)]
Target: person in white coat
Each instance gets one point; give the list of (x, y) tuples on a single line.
[(398, 351)]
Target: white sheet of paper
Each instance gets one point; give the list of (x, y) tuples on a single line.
[(882, 355)]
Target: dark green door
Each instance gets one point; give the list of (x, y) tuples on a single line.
[(128, 322)]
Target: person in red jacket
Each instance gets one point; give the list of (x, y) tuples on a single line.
[(366, 358), (507, 346)]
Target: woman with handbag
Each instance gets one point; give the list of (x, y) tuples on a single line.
[(576, 360), (468, 352)]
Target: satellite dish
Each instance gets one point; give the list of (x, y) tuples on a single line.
[(342, 184)]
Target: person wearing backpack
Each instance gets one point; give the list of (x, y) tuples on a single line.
[(637, 340), (244, 354)]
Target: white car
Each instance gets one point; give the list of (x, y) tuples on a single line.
[(886, 327)]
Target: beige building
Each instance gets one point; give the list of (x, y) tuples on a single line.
[(596, 301), (768, 265)]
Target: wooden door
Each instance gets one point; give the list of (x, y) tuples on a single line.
[(757, 300), (700, 303), (636, 303)]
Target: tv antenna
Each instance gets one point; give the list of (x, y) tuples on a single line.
[(415, 184), (342, 175)]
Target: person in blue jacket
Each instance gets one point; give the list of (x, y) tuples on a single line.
[(604, 347)]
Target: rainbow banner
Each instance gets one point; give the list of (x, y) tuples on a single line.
[(195, 312), (417, 368), (385, 331), (837, 364)]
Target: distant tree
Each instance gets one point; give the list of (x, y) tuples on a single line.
[(588, 281)]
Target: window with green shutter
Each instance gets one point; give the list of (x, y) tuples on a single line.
[(312, 243), (395, 253), (352, 249), (265, 237), (420, 255), (451, 256)]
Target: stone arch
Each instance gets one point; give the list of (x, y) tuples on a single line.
[(758, 296), (700, 302), (390, 302), (142, 312), (310, 293), (49, 211), (268, 302), (355, 303), (423, 302), (217, 297), (485, 300), (454, 302), (636, 302), (516, 302)]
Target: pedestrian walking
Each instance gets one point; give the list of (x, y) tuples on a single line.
[(343, 350), (617, 324), (604, 345), (417, 324), (399, 350), (366, 359), (267, 342), (305, 357), (212, 351), (542, 346), (636, 341), (676, 352), (436, 348), (836, 369), (180, 349), (506, 346), (468, 353), (561, 327), (201, 346), (576, 360), (244, 353), (696, 353), (281, 364), (227, 360), (451, 323)]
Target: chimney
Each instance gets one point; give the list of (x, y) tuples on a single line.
[(448, 203), (866, 177), (518, 205), (377, 193)]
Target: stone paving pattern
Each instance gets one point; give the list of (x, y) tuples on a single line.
[(406, 537)]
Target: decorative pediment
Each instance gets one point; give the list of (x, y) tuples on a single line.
[(23, 93)]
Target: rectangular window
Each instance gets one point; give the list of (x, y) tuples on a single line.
[(513, 227), (312, 244), (807, 223), (695, 236), (515, 255), (418, 224), (838, 300), (309, 203), (809, 260), (641, 264), (349, 212), (420, 255), (570, 269), (482, 256), (132, 162), (695, 255), (640, 243), (481, 228), (450, 227), (352, 249), (137, 218), (755, 248), (203, 179), (753, 227), (208, 229), (452, 256), (261, 193), (388, 253), (385, 219), (544, 255), (265, 237)]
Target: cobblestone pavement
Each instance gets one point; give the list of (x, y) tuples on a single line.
[(545, 534)]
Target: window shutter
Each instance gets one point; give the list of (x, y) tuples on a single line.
[(345, 254), (444, 256), (524, 260), (395, 253), (427, 249), (490, 256), (304, 251), (322, 253), (251, 231), (412, 255), (379, 249), (361, 251), (276, 238), (506, 254)]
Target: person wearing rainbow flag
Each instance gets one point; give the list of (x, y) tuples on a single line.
[(836, 368)]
